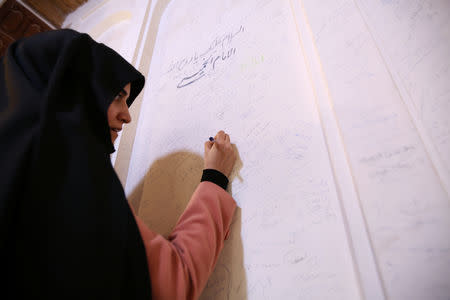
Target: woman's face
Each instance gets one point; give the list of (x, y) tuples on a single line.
[(118, 112)]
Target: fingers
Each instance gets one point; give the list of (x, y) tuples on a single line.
[(222, 140), (220, 154), (220, 136), (208, 146)]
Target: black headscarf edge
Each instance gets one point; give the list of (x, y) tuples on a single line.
[(103, 70)]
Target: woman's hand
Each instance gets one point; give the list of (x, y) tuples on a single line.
[(220, 155)]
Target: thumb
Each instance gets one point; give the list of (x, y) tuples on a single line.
[(208, 146)]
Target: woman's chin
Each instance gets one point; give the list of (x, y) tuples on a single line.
[(114, 136)]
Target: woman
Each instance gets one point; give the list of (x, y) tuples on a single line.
[(66, 228)]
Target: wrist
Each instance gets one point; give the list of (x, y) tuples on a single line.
[(215, 176)]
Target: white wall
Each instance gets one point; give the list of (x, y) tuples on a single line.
[(112, 22)]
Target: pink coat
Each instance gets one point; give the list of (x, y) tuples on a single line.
[(180, 265)]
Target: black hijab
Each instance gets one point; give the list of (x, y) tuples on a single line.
[(66, 230)]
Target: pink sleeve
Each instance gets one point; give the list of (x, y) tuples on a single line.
[(180, 265)]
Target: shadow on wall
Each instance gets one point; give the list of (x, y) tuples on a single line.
[(161, 198)]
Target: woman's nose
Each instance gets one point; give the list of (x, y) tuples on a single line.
[(125, 115)]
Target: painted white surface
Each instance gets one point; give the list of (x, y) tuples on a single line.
[(364, 257), (404, 201), (414, 40), (256, 87), (126, 18)]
